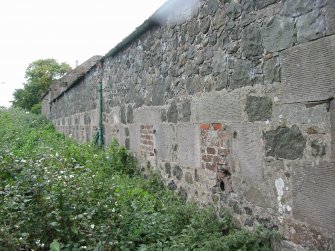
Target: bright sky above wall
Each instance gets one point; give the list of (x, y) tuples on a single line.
[(64, 30)]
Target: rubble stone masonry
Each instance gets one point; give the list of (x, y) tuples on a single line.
[(233, 105)]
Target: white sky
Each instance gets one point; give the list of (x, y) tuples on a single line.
[(66, 30)]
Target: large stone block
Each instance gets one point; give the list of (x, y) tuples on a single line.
[(310, 26), (258, 108), (121, 134), (314, 195), (241, 75), (148, 115), (247, 149), (213, 107), (188, 141), (296, 113), (308, 71), (284, 142), (251, 41), (134, 136), (271, 70), (163, 141), (294, 8), (172, 113), (278, 33)]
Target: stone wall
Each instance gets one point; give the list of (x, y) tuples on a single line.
[(233, 107)]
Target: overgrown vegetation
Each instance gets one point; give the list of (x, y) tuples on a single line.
[(59, 195)]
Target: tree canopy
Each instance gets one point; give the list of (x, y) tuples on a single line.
[(39, 75)]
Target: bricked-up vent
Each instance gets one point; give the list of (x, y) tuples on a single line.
[(332, 120), (314, 195), (308, 71)]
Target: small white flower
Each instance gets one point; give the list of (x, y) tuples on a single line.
[(92, 226)]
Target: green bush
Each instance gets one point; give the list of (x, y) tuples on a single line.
[(36, 109), (59, 195)]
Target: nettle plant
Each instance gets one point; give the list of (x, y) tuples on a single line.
[(59, 195)]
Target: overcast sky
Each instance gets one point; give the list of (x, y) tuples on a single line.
[(66, 30)]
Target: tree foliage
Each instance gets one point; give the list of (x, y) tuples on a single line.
[(39, 75)]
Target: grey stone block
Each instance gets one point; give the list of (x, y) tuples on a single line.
[(213, 107), (251, 41), (233, 9), (123, 115), (248, 151), (318, 148), (163, 141), (308, 71), (219, 62), (172, 185), (300, 114), (147, 115), (258, 108), (177, 172), (172, 113), (212, 6), (310, 26), (278, 33), (248, 5), (188, 140), (258, 197), (294, 8), (271, 70), (186, 111), (284, 142), (314, 195), (241, 75), (130, 114), (134, 135), (193, 84)]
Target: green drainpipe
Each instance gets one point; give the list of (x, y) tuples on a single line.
[(100, 130)]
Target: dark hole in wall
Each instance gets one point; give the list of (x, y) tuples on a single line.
[(222, 185)]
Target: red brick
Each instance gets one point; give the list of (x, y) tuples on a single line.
[(217, 126), (211, 167), (207, 158), (204, 126), (210, 150)]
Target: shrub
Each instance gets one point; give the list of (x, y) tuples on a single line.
[(59, 195)]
